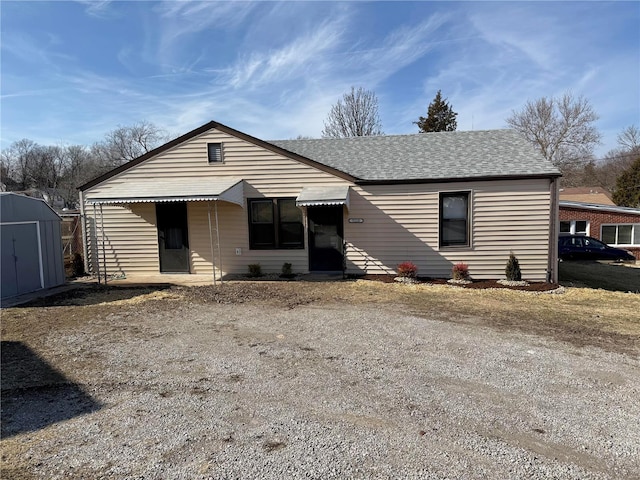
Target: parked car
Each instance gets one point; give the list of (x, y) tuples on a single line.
[(580, 247)]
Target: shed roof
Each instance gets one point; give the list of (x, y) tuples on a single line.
[(427, 156), (20, 208)]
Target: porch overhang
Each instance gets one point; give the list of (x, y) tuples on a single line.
[(323, 196), (174, 190)]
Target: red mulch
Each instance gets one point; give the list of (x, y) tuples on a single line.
[(481, 284)]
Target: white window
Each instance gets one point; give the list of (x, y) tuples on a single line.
[(575, 227), (622, 234)]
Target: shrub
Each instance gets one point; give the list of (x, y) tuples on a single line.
[(287, 271), (513, 268), (77, 266), (407, 269), (255, 270), (460, 271)]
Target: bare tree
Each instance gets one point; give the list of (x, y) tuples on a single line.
[(561, 128), (18, 160), (126, 143), (355, 115), (629, 139)]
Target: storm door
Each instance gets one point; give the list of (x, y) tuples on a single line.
[(325, 239), (173, 237)]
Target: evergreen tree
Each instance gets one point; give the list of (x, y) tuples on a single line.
[(440, 117), (627, 193)]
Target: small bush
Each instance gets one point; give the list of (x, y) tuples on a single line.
[(460, 271), (77, 267), (513, 268), (407, 269), (287, 271), (255, 270)]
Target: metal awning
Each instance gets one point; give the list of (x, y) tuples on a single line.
[(323, 196), (146, 190)]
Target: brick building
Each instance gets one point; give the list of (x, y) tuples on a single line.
[(615, 226)]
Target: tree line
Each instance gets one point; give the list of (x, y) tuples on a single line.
[(28, 165), (562, 129)]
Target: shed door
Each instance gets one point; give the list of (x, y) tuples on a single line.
[(20, 259)]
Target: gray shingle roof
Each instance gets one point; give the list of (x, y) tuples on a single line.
[(427, 156)]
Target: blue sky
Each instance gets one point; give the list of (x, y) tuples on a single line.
[(72, 71)]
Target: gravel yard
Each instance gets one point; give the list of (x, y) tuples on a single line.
[(312, 381)]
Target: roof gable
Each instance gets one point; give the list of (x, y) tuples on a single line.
[(222, 128)]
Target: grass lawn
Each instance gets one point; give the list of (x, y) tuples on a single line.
[(607, 276)]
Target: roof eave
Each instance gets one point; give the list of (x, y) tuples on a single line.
[(457, 179)]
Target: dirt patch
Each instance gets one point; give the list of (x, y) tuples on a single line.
[(579, 316)]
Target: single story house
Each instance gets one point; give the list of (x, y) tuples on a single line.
[(31, 245), (615, 226), (586, 195), (216, 200)]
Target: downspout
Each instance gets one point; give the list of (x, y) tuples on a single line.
[(552, 267), (83, 225)]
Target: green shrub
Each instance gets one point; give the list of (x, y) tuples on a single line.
[(255, 270), (407, 269), (513, 268), (460, 271), (287, 271)]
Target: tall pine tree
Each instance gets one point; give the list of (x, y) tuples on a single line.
[(440, 117), (627, 193)]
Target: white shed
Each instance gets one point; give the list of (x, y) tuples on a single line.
[(32, 257)]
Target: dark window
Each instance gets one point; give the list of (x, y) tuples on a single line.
[(214, 152), (565, 227), (275, 224), (454, 219)]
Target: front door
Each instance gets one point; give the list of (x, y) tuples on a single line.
[(325, 239), (173, 237)]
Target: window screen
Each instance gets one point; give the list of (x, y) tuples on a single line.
[(454, 219)]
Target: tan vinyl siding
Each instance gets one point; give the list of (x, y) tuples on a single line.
[(402, 223), (130, 239), (234, 233), (265, 174)]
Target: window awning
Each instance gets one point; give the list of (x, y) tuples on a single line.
[(174, 190), (323, 196)]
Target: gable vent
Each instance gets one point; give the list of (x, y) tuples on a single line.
[(214, 152)]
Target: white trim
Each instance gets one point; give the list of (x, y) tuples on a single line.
[(616, 244), (40, 255), (572, 227), (21, 223)]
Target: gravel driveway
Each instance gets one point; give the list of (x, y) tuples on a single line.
[(323, 390)]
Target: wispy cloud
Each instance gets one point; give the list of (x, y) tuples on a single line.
[(302, 57), (97, 8)]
